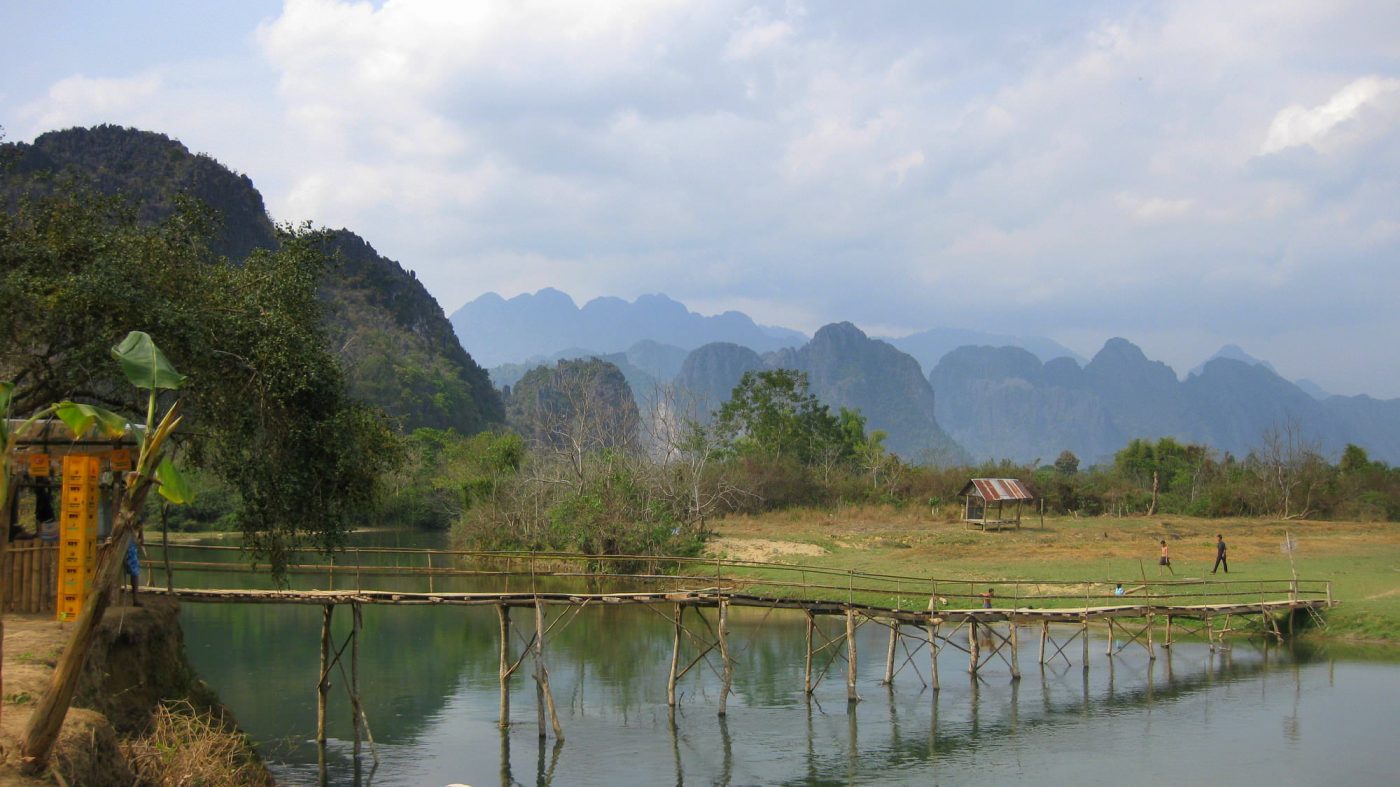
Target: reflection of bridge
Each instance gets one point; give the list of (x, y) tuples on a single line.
[(918, 612)]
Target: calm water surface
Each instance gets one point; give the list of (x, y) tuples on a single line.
[(428, 679)]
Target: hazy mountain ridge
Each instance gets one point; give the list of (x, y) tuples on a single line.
[(845, 368), (1003, 403), (398, 350), (540, 324)]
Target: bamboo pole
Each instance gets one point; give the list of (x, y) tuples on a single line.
[(889, 653), (972, 647), (724, 654), (323, 685), (1168, 641), (1015, 659), (504, 671), (1084, 635), (1151, 651), (933, 653), (851, 656), (542, 677), (355, 715), (1109, 649), (1044, 633), (807, 662), (675, 657)]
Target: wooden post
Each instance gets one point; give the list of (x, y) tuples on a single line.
[(972, 647), (430, 572), (542, 691), (1044, 634), (1084, 635), (1015, 660), (1168, 642), (503, 617), (1109, 650), (807, 665), (1151, 651), (889, 653), (323, 685), (851, 656), (1210, 632), (675, 658), (724, 654), (355, 716), (933, 653)]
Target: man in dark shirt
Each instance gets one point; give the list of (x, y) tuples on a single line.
[(1220, 554)]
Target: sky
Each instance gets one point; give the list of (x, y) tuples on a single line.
[(1184, 175)]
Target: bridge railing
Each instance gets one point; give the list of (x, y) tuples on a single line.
[(439, 570)]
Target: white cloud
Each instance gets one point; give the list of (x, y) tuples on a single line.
[(79, 99), (1296, 125)]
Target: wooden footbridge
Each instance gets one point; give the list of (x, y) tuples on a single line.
[(983, 619)]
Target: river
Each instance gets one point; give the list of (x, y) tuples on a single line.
[(429, 683)]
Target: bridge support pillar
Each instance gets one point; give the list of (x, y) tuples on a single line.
[(543, 696), (675, 657), (889, 653), (1167, 642), (1109, 651), (972, 654), (933, 653), (807, 664), (851, 695), (323, 686), (1044, 635), (1151, 650), (1012, 643), (1084, 634), (504, 673), (724, 655)]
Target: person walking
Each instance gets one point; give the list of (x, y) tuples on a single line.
[(1165, 560), (1220, 560)]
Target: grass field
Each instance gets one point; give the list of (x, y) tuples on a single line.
[(1362, 559)]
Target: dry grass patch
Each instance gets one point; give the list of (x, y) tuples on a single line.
[(187, 747)]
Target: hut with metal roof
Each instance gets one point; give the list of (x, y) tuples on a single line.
[(983, 496)]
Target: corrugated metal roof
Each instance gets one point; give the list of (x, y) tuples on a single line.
[(995, 489)]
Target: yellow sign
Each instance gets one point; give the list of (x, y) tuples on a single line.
[(121, 460), (39, 465)]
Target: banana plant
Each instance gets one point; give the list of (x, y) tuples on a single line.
[(146, 368)]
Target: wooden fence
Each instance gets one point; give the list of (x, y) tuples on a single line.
[(30, 575)]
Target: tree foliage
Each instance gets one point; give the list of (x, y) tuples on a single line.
[(266, 398)]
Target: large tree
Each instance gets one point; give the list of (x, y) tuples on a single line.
[(266, 400)]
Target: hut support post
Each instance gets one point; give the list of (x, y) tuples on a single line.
[(851, 656), (503, 616), (724, 654), (675, 658)]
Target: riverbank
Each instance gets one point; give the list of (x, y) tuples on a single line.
[(1361, 558), (140, 714)]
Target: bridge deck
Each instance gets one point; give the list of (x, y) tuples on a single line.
[(712, 597)]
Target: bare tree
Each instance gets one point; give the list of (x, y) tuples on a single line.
[(1290, 468)]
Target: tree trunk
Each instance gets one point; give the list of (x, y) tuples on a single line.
[(47, 719)]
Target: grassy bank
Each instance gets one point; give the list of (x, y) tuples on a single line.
[(1361, 558)]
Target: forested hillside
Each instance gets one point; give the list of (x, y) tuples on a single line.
[(398, 351)]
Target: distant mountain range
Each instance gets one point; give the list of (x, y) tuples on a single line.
[(1005, 403), (502, 331), (845, 368), (396, 346)]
